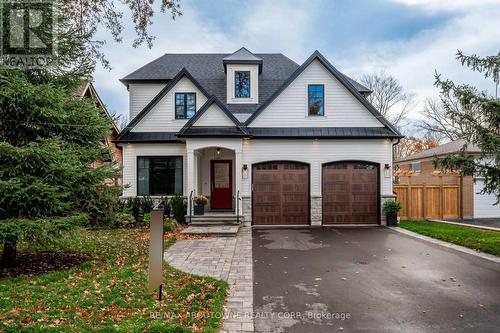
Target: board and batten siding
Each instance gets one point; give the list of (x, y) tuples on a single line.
[(140, 94), (316, 153), (132, 151), (213, 117), (290, 108), (161, 118)]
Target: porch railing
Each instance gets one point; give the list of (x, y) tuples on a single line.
[(190, 206), (238, 199)]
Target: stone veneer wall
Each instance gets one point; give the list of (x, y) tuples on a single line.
[(316, 210), (246, 203)]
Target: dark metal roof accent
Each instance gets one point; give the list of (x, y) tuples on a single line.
[(321, 132), (339, 76), (242, 56), (213, 132), (136, 137), (213, 99), (183, 73)]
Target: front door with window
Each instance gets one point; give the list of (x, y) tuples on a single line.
[(222, 184)]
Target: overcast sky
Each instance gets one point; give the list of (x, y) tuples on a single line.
[(409, 39)]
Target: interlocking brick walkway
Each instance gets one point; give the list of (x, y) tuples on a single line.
[(225, 258)]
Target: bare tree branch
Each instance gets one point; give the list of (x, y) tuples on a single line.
[(388, 97)]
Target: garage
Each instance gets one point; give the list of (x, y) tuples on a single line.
[(350, 193), (280, 194), (484, 204)]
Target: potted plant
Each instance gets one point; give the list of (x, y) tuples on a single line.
[(391, 209), (199, 204)]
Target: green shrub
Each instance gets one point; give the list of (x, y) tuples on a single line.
[(147, 219), (178, 207), (169, 224), (123, 220), (391, 207)]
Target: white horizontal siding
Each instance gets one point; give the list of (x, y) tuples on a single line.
[(161, 118), (130, 153), (214, 116), (341, 108), (484, 203), (315, 153), (140, 94)]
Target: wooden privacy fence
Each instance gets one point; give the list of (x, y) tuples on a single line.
[(421, 202)]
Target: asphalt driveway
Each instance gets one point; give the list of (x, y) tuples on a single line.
[(369, 280)]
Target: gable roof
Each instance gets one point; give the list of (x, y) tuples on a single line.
[(242, 56), (339, 76), (87, 89), (208, 69), (183, 73), (444, 149), (204, 108)]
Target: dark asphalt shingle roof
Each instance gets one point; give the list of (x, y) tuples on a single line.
[(131, 137), (208, 70)]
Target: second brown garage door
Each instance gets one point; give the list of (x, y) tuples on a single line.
[(280, 193), (350, 193)]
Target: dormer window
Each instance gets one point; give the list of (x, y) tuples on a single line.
[(185, 105), (316, 99), (242, 84)]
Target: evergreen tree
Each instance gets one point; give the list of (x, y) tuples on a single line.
[(480, 116)]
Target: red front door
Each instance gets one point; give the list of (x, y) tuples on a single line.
[(222, 184)]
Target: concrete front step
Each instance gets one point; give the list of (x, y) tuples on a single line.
[(214, 219), (214, 230)]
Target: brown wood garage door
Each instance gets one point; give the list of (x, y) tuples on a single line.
[(280, 193), (350, 193)]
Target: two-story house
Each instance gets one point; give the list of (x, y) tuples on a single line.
[(298, 144)]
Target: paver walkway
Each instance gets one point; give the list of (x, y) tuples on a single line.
[(225, 258)]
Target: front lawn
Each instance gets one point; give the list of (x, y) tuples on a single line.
[(482, 240), (109, 292)]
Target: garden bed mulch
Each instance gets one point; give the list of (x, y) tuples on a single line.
[(31, 264), (178, 235)]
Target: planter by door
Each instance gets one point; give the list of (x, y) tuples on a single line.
[(392, 220), (221, 184), (199, 209)]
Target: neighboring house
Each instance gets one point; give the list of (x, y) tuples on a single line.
[(87, 90), (298, 144), (418, 170)]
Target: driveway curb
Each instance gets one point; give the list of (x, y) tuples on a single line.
[(467, 225), (463, 249)]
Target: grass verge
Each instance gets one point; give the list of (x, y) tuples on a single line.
[(482, 240), (109, 293)]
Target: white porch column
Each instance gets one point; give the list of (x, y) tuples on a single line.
[(239, 176), (190, 172)]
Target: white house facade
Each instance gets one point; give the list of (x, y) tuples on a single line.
[(258, 134)]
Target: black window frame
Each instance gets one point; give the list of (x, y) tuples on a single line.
[(149, 189), (322, 101), (185, 104), (249, 84)]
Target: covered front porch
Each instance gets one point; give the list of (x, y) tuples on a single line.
[(214, 169)]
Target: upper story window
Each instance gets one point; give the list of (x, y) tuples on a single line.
[(316, 99), (185, 105), (242, 84)]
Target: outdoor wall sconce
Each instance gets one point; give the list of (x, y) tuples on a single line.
[(218, 152), (245, 171), (387, 170)]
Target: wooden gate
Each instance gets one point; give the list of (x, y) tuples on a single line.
[(421, 202)]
